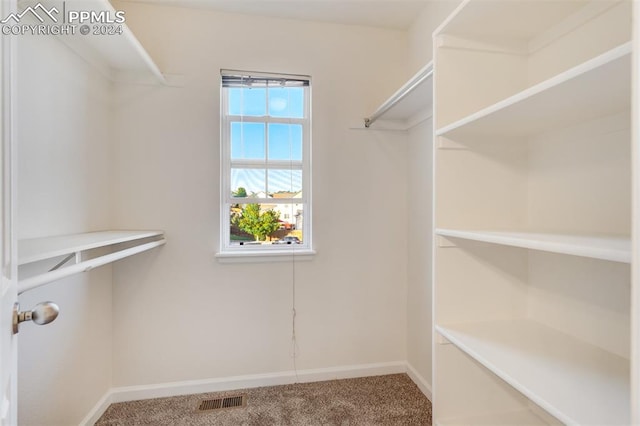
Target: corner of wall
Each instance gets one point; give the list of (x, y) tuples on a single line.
[(420, 33)]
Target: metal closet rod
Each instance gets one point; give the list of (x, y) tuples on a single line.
[(400, 94)]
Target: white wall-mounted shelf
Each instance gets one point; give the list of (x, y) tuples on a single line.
[(408, 106), (576, 382), (616, 249), (119, 57), (596, 88), (38, 249)]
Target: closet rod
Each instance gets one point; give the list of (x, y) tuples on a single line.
[(421, 76), (48, 277)]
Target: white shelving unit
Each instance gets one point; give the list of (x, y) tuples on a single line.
[(76, 245), (616, 249), (119, 57), (408, 106), (533, 128)]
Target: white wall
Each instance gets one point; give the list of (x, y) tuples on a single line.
[(420, 45), (63, 187), (420, 153), (181, 315), (419, 249)]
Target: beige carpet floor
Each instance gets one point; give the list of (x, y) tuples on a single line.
[(382, 400)]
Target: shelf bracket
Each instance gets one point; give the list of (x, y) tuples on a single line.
[(445, 143), (444, 242), (441, 340), (65, 260)]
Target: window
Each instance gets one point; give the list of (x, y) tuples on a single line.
[(265, 163)]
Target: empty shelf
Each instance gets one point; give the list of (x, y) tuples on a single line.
[(521, 20), (119, 55), (37, 249), (596, 88), (616, 249), (575, 382)]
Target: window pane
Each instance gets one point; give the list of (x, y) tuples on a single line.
[(285, 181), (246, 101), (247, 141), (285, 142), (290, 230), (266, 224), (248, 183), (286, 102)]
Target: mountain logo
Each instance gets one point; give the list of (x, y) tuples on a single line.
[(36, 11)]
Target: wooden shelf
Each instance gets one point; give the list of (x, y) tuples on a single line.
[(38, 249), (119, 57), (408, 106), (575, 382), (510, 418), (616, 249), (596, 88)]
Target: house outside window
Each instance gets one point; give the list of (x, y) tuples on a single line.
[(265, 163)]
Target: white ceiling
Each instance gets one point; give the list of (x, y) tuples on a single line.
[(397, 14)]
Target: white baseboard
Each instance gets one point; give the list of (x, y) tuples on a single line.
[(133, 393), (98, 410), (420, 381)]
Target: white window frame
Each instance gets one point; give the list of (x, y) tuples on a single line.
[(263, 252)]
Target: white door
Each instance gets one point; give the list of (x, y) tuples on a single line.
[(8, 248)]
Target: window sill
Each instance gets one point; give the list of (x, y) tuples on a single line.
[(264, 256)]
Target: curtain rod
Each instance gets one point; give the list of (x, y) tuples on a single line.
[(260, 74), (415, 81)]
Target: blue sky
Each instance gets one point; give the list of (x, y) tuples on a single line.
[(249, 141), (253, 180), (274, 141), (283, 101)]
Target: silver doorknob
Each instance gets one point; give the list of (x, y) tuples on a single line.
[(42, 314)]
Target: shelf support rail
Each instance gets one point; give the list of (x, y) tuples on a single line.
[(58, 274), (422, 75)]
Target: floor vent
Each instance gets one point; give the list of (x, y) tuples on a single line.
[(235, 401)]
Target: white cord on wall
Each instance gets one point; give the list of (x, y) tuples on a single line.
[(294, 342)]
